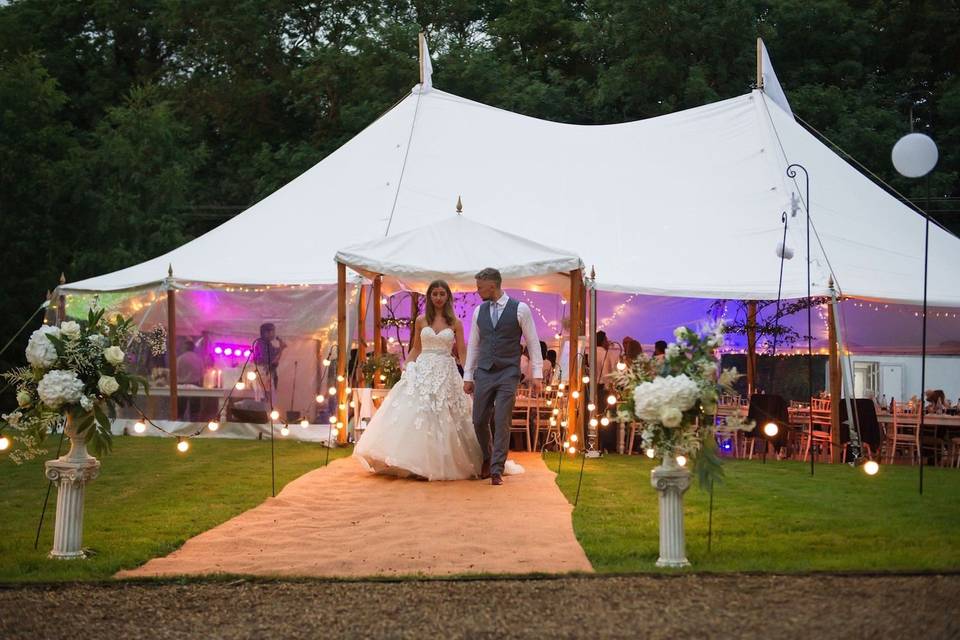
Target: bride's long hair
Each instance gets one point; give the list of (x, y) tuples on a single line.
[(431, 311)]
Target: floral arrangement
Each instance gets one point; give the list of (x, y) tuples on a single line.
[(76, 371), (675, 397), (388, 366)]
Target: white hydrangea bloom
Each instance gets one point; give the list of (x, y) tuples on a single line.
[(59, 387), (670, 417), (40, 351), (650, 398), (86, 402), (672, 351)]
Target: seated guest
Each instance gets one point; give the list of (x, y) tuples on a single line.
[(547, 365), (936, 401)]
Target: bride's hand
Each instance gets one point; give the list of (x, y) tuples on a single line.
[(468, 388)]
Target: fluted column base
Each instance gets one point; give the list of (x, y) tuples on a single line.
[(71, 477), (671, 482)]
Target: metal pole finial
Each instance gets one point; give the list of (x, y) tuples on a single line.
[(63, 278), (170, 270), (459, 205)]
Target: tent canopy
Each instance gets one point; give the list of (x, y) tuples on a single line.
[(454, 250), (687, 204)]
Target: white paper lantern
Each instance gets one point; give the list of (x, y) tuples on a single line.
[(915, 155)]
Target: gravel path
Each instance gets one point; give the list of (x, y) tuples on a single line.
[(742, 606)]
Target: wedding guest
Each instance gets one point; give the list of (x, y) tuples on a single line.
[(267, 350), (936, 401), (547, 365), (189, 372), (632, 349), (660, 350), (552, 359)]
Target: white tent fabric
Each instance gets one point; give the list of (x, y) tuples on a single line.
[(687, 204), (455, 250), (771, 85)]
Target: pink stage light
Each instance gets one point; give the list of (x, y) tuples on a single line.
[(246, 353), (218, 350), (228, 351)]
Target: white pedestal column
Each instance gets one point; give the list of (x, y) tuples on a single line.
[(671, 482), (71, 473)]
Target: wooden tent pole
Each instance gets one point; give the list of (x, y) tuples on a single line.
[(377, 317), (414, 312), (573, 379), (751, 347), (835, 383), (343, 352), (363, 300), (420, 41), (61, 301), (759, 63), (172, 342)]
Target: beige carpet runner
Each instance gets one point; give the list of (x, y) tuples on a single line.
[(342, 521)]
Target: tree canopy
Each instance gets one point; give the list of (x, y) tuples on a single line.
[(128, 127)]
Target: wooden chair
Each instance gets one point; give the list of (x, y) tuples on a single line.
[(636, 428), (904, 433), (541, 409), (820, 408), (520, 420)]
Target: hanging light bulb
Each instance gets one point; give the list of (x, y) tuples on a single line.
[(682, 461), (332, 391), (139, 427), (548, 388), (591, 407), (871, 467), (213, 425), (586, 379), (611, 399), (566, 444), (549, 402), (563, 423), (383, 378), (771, 429), (604, 421), (556, 411), (304, 423), (182, 445), (553, 422), (594, 422), (274, 414), (320, 398), (572, 450), (326, 362), (251, 376), (575, 395), (333, 419), (561, 386), (651, 453), (4, 443), (340, 378), (574, 437), (348, 390), (342, 406), (334, 432), (284, 431), (621, 366), (240, 386)]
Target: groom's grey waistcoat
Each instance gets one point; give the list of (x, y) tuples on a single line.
[(500, 345)]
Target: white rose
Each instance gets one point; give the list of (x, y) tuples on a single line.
[(23, 398), (59, 387), (107, 385), (679, 333), (70, 329), (114, 355), (40, 351), (86, 403), (670, 417), (672, 351)]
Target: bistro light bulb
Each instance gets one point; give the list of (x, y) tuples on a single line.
[(557, 336), (240, 386), (566, 445), (383, 378), (871, 467), (682, 461), (182, 446), (332, 391), (556, 411), (572, 450), (213, 425), (326, 362), (139, 427), (651, 453), (320, 397), (559, 394), (348, 390), (591, 407), (574, 438), (594, 422), (343, 406), (333, 419), (621, 366), (340, 378), (390, 339), (549, 402), (611, 399), (553, 422), (561, 386), (575, 395), (548, 389), (284, 431), (251, 376), (274, 414), (334, 431), (586, 379), (304, 423), (563, 423), (771, 429), (4, 443), (604, 420)]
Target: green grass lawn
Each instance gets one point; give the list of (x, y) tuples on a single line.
[(148, 500), (772, 517)]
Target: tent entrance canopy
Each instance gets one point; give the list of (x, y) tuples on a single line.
[(456, 249)]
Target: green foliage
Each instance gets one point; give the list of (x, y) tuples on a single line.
[(387, 365)]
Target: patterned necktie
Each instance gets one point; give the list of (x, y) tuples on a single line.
[(495, 308)]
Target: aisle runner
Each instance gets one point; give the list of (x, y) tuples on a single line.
[(341, 521)]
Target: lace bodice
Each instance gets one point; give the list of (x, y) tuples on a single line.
[(433, 342)]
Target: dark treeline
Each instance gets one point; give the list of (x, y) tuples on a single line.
[(130, 126)]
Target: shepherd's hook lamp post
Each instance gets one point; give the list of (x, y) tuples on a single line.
[(914, 156)]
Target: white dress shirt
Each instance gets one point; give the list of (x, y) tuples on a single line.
[(527, 326)]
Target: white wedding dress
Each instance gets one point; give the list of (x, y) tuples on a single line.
[(424, 426)]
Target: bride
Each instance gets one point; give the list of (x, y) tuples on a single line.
[(425, 427)]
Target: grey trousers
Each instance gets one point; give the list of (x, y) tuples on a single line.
[(494, 394)]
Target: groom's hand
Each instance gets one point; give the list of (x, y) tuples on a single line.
[(468, 387), (537, 385)]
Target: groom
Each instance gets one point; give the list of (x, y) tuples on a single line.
[(492, 369)]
